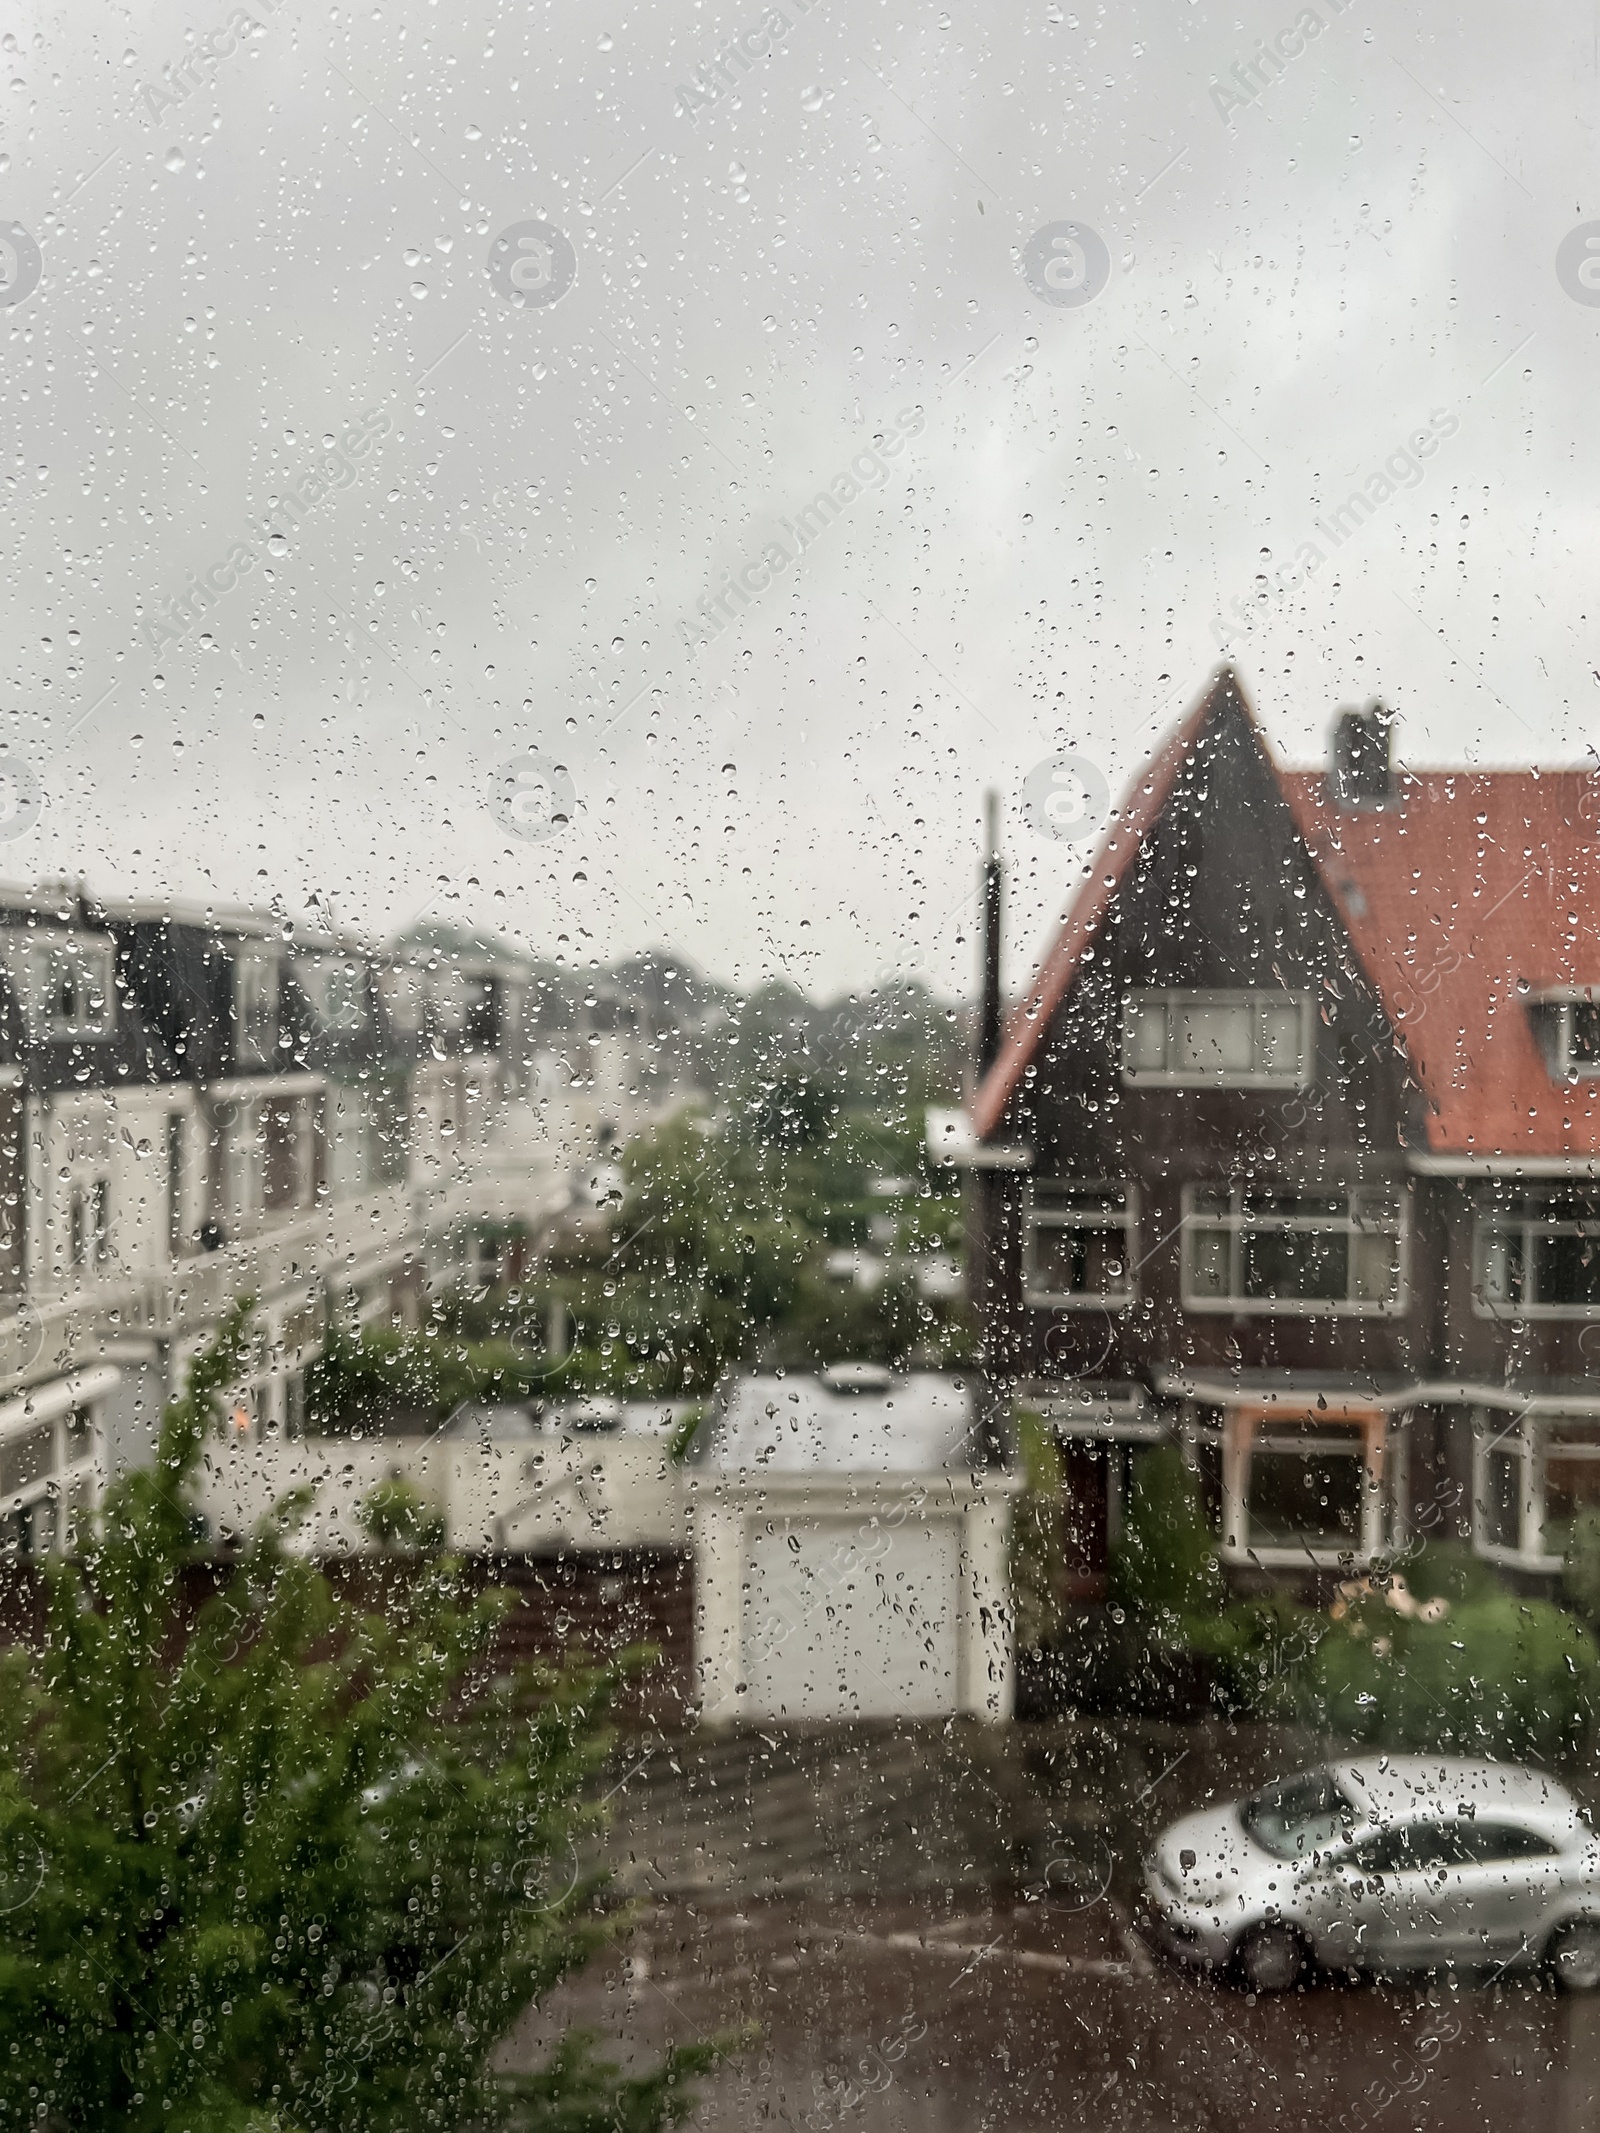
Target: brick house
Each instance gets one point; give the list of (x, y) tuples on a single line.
[(1290, 1152)]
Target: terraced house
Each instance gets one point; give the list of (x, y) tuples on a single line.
[(1291, 1151), (198, 1105)]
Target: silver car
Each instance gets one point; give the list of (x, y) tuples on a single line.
[(1401, 1862)]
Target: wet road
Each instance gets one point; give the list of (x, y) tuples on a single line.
[(930, 1931)]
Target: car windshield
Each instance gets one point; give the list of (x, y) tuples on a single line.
[(1298, 1815)]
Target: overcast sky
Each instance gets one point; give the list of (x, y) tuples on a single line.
[(529, 499)]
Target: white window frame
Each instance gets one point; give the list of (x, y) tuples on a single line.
[(1118, 1209), (1385, 1212), (257, 974), (1258, 1000), (33, 956), (1559, 1006), (1309, 1435), (88, 1222), (1491, 1227), (1526, 1438)]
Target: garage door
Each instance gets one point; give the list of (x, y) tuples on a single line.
[(844, 1622)]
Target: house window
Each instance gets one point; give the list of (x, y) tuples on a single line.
[(285, 1162), (1539, 1258), (1533, 1477), (1307, 1490), (447, 1000), (63, 981), (1318, 1486), (1336, 1253), (1079, 1245), (177, 1199), (1570, 1029), (403, 990), (336, 987), (1218, 1040), (255, 1006), (86, 1231)]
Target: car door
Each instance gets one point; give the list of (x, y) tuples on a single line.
[(1383, 1899), (1497, 1901), (1347, 1901)]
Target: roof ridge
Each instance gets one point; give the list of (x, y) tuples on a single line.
[(1128, 826)]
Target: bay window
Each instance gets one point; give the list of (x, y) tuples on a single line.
[(1533, 1475)]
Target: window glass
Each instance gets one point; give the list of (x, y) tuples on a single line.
[(1417, 1848), (1297, 1816), (1487, 1843), (1571, 1486), (1313, 1496), (1212, 1039)]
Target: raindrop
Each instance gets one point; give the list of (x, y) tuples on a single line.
[(176, 160), (811, 99)]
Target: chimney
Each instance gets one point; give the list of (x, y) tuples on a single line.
[(989, 998), (1359, 770)]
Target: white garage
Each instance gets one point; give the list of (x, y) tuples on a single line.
[(850, 1545)]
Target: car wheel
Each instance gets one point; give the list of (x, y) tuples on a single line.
[(1574, 1956), (1271, 1959)]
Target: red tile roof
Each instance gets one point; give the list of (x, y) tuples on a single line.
[(1478, 890)]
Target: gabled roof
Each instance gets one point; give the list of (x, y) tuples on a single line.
[(1130, 825), (1465, 897)]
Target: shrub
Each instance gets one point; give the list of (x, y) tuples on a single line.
[(296, 1867), (1498, 1677), (1164, 1568), (1581, 1579), (399, 1517), (1036, 1535)]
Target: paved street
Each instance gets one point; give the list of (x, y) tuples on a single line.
[(930, 1930)]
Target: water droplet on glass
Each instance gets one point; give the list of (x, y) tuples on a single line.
[(811, 99), (176, 160)]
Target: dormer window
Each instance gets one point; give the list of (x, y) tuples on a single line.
[(63, 982), (1218, 1040), (1568, 1024)]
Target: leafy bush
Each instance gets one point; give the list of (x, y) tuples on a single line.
[(1036, 1535), (1582, 1575), (398, 1516), (1498, 1676), (1164, 1568), (385, 1372), (288, 1866)]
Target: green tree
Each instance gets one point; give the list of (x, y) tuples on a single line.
[(274, 1865)]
